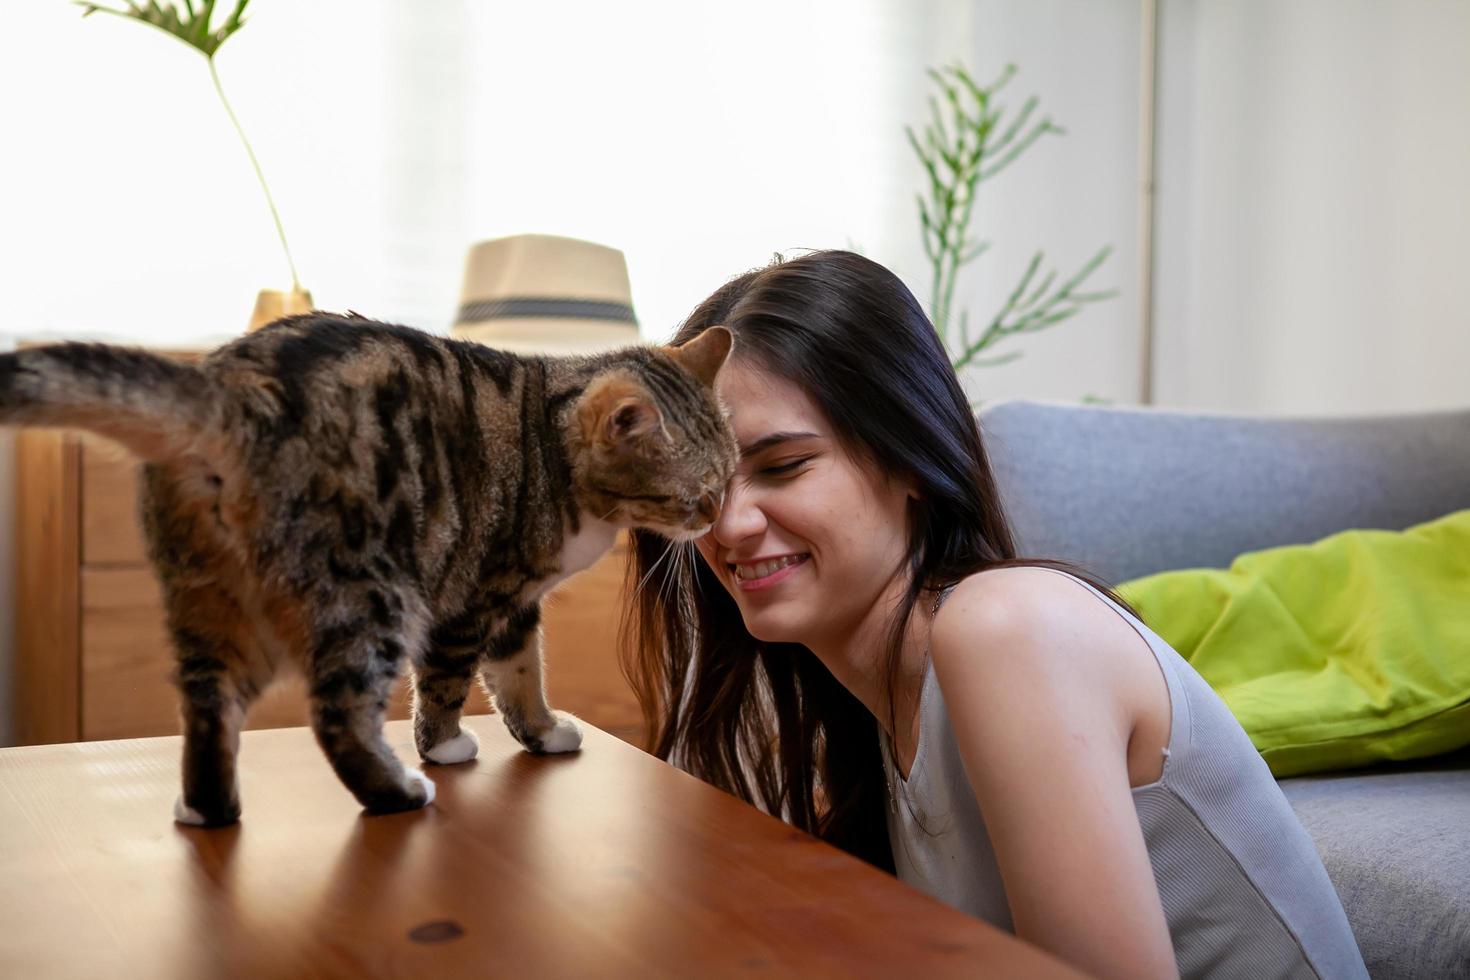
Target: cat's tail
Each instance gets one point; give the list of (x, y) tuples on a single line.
[(158, 407)]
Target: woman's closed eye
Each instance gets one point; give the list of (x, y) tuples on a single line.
[(785, 468)]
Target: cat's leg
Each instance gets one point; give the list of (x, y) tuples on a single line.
[(215, 694), (352, 671), (218, 669), (441, 684), (512, 675)]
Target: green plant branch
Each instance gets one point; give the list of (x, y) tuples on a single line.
[(964, 143), (192, 27), (957, 143), (1045, 126), (260, 175), (1025, 312)]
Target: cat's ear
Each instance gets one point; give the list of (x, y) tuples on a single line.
[(703, 355), (617, 411)]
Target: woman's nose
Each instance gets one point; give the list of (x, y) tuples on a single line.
[(738, 518)]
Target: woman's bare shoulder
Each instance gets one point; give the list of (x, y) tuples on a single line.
[(1017, 579), (1019, 597), (1045, 612)]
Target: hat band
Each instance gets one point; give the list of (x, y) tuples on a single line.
[(561, 309)]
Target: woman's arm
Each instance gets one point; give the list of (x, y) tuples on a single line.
[(1023, 658)]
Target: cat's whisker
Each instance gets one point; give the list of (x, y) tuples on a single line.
[(677, 579), (681, 566), (650, 572), (681, 584), (694, 570), (670, 582)]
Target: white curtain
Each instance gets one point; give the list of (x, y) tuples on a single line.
[(697, 138), (1314, 205)]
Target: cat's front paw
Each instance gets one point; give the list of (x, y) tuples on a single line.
[(565, 736), (417, 791), (419, 783), (461, 748)]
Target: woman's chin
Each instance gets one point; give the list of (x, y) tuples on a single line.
[(771, 626)]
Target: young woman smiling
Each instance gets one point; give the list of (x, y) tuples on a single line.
[(859, 650)]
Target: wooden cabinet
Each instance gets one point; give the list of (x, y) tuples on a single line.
[(92, 653)]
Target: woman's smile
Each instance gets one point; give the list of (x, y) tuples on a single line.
[(755, 575)]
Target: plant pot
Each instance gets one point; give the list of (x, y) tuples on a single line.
[(272, 304)]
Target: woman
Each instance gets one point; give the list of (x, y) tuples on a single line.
[(859, 649)]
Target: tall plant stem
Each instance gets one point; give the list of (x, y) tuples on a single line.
[(960, 149), (295, 280)]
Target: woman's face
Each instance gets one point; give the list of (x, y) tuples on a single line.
[(807, 539)]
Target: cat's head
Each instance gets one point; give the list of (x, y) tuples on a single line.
[(656, 450)]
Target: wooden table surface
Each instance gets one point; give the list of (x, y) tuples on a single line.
[(600, 864)]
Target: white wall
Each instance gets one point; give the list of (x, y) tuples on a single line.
[(1069, 196), (1314, 205)]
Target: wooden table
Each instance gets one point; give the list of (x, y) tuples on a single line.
[(601, 864)]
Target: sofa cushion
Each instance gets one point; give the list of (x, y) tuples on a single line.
[(1333, 655), (1395, 845)]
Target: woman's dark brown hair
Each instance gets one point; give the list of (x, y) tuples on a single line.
[(767, 721)]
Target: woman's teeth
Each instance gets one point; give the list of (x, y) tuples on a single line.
[(747, 572)]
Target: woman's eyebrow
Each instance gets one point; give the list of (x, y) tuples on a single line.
[(774, 439)]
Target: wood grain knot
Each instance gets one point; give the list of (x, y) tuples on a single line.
[(437, 931)]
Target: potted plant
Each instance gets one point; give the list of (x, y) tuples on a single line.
[(193, 26)]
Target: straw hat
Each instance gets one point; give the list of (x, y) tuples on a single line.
[(540, 294)]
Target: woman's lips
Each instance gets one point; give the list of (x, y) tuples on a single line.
[(775, 578)]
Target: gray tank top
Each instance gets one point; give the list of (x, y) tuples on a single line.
[(1243, 887)]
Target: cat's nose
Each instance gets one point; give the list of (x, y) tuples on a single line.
[(709, 505)]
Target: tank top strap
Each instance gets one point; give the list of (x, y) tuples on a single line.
[(943, 595)]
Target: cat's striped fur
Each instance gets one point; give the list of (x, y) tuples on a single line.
[(344, 495)]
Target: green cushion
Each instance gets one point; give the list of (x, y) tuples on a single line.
[(1332, 655)]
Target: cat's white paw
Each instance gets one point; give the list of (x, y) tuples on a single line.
[(186, 814), (566, 736), (461, 748), (416, 776)]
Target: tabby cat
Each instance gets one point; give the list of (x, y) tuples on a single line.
[(345, 495)]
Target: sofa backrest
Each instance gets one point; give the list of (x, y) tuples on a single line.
[(1129, 491)]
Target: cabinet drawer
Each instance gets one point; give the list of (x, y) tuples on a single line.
[(111, 531), (127, 657)]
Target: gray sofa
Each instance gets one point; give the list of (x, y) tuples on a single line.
[(1126, 491)]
